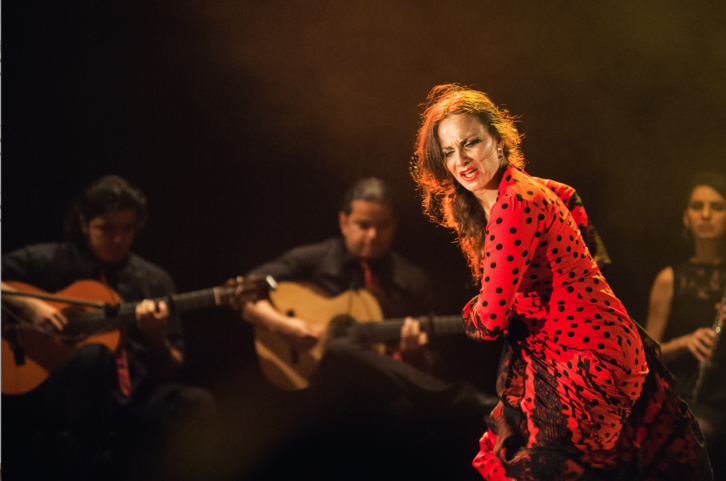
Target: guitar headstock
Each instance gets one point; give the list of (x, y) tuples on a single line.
[(240, 290)]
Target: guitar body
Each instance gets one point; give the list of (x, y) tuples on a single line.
[(43, 353), (29, 355), (289, 368)]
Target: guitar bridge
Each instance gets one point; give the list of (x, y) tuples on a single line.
[(294, 353), (12, 335)]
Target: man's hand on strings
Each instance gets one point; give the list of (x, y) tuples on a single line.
[(412, 337), (43, 315), (412, 346), (152, 318), (297, 332), (39, 313)]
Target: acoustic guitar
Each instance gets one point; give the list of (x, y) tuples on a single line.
[(30, 354), (352, 313)]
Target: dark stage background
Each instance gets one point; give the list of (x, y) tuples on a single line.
[(244, 122)]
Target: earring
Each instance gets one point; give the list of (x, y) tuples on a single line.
[(499, 151)]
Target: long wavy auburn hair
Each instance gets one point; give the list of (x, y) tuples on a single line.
[(445, 201)]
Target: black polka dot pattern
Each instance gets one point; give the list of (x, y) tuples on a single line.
[(540, 274), (550, 277)]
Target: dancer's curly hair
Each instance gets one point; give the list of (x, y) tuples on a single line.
[(445, 201)]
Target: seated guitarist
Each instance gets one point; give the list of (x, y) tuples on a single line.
[(354, 380), (102, 409), (361, 259)]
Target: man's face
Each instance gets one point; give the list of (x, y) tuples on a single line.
[(368, 229), (110, 235)]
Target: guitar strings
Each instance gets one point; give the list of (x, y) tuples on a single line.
[(43, 330)]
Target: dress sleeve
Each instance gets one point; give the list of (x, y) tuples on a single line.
[(572, 200), (515, 230)]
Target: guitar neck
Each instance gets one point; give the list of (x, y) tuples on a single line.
[(114, 316), (190, 301), (390, 329)]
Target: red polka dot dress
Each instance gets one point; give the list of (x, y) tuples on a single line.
[(574, 364)]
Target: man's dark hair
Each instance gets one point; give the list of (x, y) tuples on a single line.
[(371, 189), (107, 194)]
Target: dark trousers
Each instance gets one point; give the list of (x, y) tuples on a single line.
[(73, 427), (368, 416)]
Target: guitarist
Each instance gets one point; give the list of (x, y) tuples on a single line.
[(352, 379), (361, 259), (83, 421)]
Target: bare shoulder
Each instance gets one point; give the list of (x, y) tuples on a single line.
[(660, 303), (664, 279)]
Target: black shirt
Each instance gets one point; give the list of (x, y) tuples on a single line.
[(329, 265), (53, 267)]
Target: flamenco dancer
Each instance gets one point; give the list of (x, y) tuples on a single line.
[(583, 393)]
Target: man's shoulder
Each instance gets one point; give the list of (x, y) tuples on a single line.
[(47, 266), (334, 245), (44, 249), (142, 267), (407, 264), (55, 255), (303, 261), (407, 272), (316, 263), (313, 254), (140, 278)]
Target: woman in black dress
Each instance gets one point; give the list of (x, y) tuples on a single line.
[(683, 313)]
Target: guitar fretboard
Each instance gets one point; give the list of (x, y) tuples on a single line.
[(113, 316), (390, 329)]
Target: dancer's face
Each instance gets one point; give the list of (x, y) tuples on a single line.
[(471, 154)]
